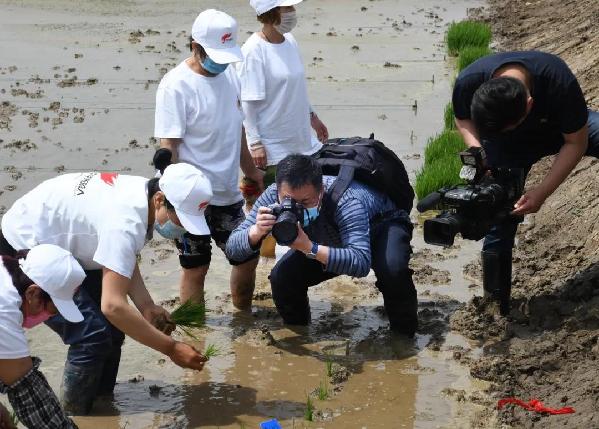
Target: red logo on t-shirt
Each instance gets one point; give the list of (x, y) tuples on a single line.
[(203, 205), (227, 37), (109, 178)]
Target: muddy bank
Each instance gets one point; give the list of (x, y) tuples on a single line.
[(548, 348)]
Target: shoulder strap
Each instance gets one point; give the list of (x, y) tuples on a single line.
[(344, 178)]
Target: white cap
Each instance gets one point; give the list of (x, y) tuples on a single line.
[(58, 274), (262, 6), (217, 33), (190, 192)]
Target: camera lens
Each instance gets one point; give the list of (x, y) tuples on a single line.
[(285, 230)]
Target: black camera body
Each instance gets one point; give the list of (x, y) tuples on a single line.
[(472, 209), (288, 213)]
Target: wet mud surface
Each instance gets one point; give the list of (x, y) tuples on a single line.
[(84, 100), (548, 348)]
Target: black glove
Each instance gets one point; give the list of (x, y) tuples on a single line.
[(162, 159)]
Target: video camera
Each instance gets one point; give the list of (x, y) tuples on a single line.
[(288, 214), (487, 199)]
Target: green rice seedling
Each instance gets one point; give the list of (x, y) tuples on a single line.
[(14, 419), (189, 315), (323, 391), (449, 117), (211, 351), (309, 411), (448, 144), (467, 33), (441, 173), (469, 54), (329, 366)]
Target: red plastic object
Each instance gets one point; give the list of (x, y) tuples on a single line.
[(534, 405)]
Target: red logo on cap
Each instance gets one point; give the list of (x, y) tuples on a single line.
[(226, 38), (109, 178), (203, 205)]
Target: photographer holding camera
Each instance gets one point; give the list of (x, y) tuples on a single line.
[(364, 230), (521, 107)]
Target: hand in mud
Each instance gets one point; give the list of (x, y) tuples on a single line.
[(186, 356), (530, 202), (321, 130), (160, 318), (5, 420)]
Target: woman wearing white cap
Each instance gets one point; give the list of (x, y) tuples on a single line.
[(32, 290), (199, 120), (274, 96), (104, 220)]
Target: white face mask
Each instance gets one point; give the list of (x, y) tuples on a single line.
[(288, 22)]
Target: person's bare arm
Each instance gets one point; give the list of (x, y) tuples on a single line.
[(173, 145), (574, 148), (12, 370), (155, 314), (115, 307), (247, 163), (468, 131)]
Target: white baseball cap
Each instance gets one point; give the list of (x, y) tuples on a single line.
[(190, 192), (262, 6), (58, 273), (217, 33)]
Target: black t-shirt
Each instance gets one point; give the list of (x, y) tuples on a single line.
[(559, 105)]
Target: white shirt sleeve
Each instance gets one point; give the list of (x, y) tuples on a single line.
[(117, 250), (250, 111), (252, 77), (170, 115), (13, 343)]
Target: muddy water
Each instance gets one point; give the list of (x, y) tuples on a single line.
[(264, 369)]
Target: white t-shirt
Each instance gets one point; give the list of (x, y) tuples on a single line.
[(273, 81), (101, 218), (206, 113), (13, 343)]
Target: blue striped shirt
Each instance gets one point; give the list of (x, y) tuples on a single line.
[(356, 209)]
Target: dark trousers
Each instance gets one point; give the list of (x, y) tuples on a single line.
[(94, 343), (502, 237), (390, 248)]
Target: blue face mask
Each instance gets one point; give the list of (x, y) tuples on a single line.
[(310, 215), (170, 230), (212, 67)]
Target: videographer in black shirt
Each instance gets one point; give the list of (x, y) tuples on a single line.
[(521, 107)]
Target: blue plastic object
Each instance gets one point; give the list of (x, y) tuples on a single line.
[(270, 424)]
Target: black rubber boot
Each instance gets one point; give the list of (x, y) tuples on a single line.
[(401, 306), (79, 388), (497, 278)]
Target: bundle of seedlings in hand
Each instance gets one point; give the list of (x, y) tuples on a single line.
[(189, 315), (211, 351), (14, 419)]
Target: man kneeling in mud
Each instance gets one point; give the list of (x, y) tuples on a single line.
[(521, 107), (365, 230)]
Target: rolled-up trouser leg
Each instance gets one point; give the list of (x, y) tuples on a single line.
[(35, 403)]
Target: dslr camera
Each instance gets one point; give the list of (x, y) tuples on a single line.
[(472, 209), (288, 213)]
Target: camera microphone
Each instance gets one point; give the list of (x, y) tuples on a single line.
[(429, 202)]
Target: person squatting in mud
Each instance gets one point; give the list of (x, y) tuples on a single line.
[(521, 107), (365, 230), (34, 286), (198, 121), (104, 220)]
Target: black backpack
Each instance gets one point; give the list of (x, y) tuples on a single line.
[(368, 161)]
